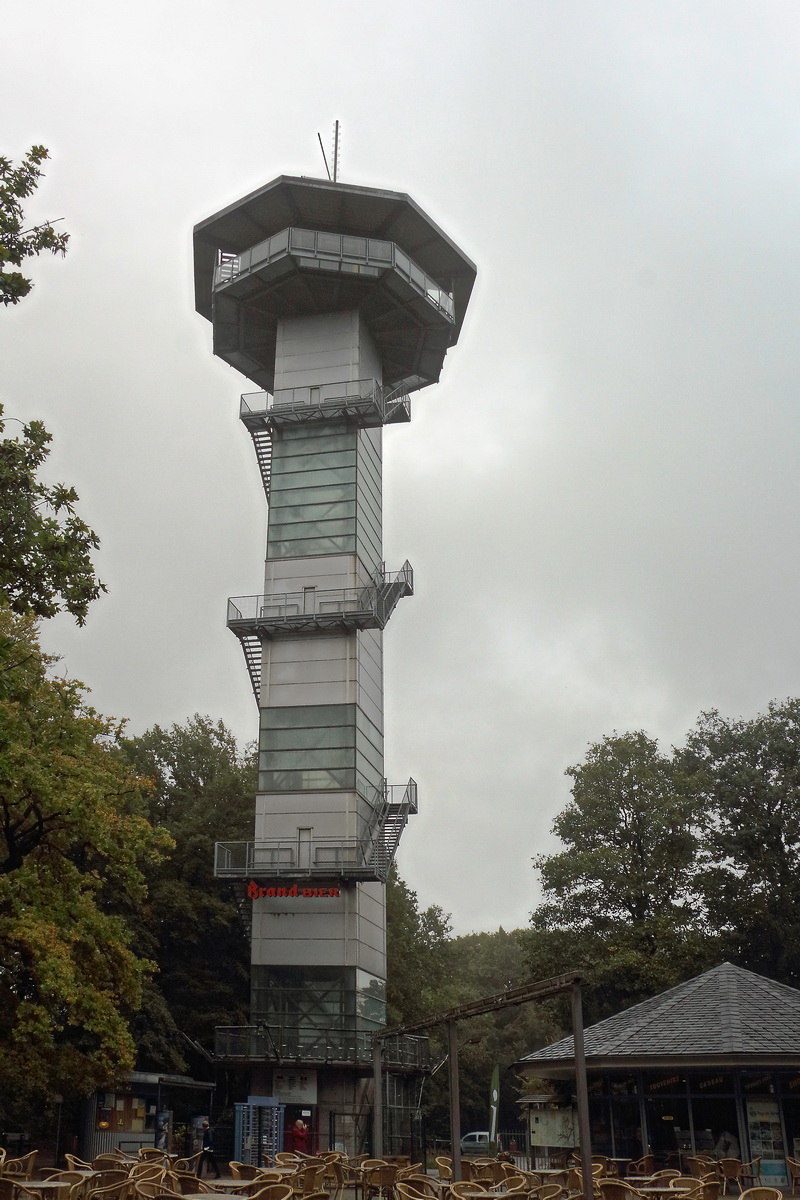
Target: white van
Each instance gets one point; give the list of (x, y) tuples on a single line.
[(475, 1143)]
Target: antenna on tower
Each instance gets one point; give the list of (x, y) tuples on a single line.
[(324, 156), (335, 151)]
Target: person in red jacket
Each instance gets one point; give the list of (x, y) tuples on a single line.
[(298, 1137)]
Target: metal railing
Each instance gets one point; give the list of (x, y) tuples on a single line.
[(369, 606), (334, 251), (309, 1045), (283, 606), (351, 396), (288, 858)]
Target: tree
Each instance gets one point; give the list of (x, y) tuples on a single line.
[(747, 776), (417, 954), (16, 243), (73, 841), (621, 899), (45, 559), (192, 925), (483, 964)]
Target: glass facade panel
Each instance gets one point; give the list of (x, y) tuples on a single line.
[(319, 460), (321, 477), (306, 529), (312, 547), (334, 509), (320, 715), (305, 781), (715, 1122), (668, 1123), (282, 496), (320, 747)]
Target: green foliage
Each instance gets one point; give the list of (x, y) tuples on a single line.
[(45, 563), (621, 900), (483, 964), (73, 838), (417, 954), (747, 776), (191, 925), (430, 972), (17, 243)]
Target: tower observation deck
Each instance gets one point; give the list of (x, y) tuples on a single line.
[(337, 302)]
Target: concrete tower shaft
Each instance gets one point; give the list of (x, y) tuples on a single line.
[(338, 301)]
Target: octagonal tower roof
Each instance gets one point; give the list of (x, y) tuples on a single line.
[(415, 334)]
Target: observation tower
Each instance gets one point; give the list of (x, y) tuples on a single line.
[(336, 301)]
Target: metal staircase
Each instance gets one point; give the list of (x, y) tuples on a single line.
[(262, 443), (251, 646), (392, 818), (391, 587)]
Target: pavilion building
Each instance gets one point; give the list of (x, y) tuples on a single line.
[(712, 1066)]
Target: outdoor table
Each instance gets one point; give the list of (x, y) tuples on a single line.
[(204, 1195), (650, 1190), (41, 1186), (229, 1185), (619, 1163)]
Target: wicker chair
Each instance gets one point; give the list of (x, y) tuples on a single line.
[(465, 1190), (420, 1183), (445, 1168), (185, 1182), (763, 1193), (642, 1166), (21, 1167), (731, 1171), (188, 1164), (550, 1191), (274, 1191), (617, 1189), (751, 1173), (117, 1191), (379, 1179)]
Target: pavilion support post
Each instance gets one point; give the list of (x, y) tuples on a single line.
[(377, 1103), (582, 1091), (455, 1099)]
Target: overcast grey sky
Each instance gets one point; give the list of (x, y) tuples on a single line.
[(599, 499)]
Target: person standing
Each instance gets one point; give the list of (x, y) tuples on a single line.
[(207, 1155), (298, 1136)]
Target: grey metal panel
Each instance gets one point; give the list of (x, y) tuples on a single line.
[(323, 571)]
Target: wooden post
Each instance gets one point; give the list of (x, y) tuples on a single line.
[(377, 1102), (455, 1100), (582, 1092)]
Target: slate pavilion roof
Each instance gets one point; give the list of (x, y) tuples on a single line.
[(726, 1015)]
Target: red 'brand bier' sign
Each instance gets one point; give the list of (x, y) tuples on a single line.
[(255, 891)]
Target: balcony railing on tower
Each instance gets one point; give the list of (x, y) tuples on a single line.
[(362, 401), (325, 858), (323, 1046), (256, 618)]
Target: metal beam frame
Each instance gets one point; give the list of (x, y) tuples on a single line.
[(537, 990)]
